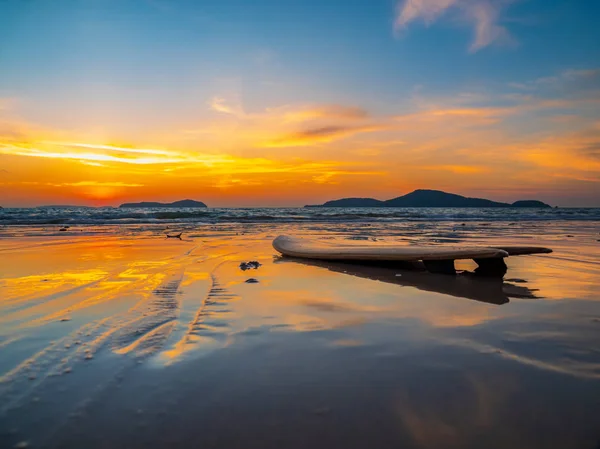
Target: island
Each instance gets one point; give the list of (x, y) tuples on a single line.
[(429, 198), (529, 203), (179, 204), (63, 206)]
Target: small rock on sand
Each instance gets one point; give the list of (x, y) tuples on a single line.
[(252, 281)]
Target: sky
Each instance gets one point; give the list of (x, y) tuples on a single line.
[(293, 102)]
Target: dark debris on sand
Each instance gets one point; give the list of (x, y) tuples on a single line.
[(251, 281), (252, 265)]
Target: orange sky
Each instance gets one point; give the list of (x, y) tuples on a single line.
[(309, 153)]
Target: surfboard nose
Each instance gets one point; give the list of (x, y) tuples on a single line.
[(279, 242)]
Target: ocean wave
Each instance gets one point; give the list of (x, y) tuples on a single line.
[(99, 216)]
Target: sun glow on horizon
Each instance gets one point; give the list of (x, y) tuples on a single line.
[(306, 155), (222, 117)]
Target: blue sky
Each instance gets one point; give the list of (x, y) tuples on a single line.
[(122, 67), (348, 41)]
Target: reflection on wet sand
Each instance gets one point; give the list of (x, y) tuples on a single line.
[(148, 342), (464, 285)]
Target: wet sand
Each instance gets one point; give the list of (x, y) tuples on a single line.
[(119, 337)]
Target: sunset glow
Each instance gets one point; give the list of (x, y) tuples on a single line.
[(274, 120)]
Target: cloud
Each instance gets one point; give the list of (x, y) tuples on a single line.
[(367, 152), (92, 164), (96, 184), (483, 15), (574, 155), (460, 169), (78, 184), (582, 78), (79, 156), (446, 118), (98, 154), (576, 74), (428, 10), (289, 113), (219, 104), (112, 148), (320, 135), (333, 111), (487, 31), (278, 126)]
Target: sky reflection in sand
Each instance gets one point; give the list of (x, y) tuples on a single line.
[(96, 312)]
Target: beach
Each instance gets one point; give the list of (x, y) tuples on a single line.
[(116, 336)]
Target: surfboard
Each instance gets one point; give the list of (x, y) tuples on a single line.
[(524, 250), (325, 250), (438, 259)]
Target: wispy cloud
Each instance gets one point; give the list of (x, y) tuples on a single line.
[(78, 184), (80, 156), (289, 113), (459, 169), (483, 16), (332, 111), (112, 148), (93, 154), (576, 152), (287, 125), (320, 135), (427, 10), (97, 184), (220, 104), (572, 77)]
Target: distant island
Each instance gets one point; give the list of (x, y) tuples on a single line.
[(182, 203), (64, 206), (428, 198)]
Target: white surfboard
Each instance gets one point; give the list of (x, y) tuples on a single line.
[(436, 259), (326, 250)]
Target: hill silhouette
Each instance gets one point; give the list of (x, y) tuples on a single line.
[(429, 198), (150, 204)]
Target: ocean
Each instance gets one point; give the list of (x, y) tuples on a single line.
[(112, 216)]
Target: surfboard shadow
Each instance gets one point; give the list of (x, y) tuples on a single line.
[(464, 285)]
